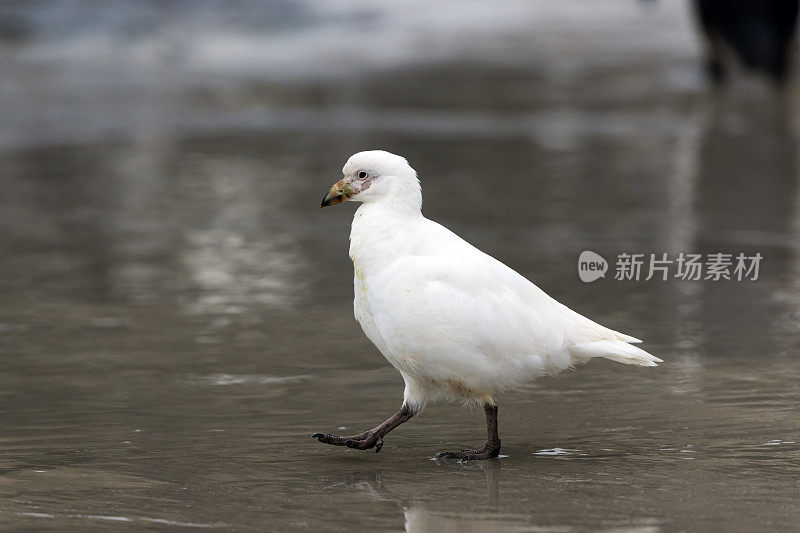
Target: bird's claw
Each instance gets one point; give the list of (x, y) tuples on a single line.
[(460, 456), (362, 444), (328, 438), (487, 452), (357, 443)]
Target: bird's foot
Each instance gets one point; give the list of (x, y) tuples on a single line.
[(362, 441), (487, 452)]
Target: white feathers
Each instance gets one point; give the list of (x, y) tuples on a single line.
[(453, 320), (614, 350)]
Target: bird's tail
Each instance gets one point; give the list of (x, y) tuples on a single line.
[(618, 351)]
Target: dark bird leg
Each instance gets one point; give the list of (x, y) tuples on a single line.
[(716, 69), (492, 446), (760, 34), (372, 438)]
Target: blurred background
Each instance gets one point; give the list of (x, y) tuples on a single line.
[(168, 284)]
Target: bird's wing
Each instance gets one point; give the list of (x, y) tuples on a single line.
[(451, 299)]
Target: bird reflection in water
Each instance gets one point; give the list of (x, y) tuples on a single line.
[(419, 516)]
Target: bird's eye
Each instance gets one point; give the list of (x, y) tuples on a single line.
[(362, 175)]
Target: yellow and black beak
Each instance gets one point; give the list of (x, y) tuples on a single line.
[(339, 193)]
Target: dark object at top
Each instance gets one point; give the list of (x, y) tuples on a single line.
[(759, 32)]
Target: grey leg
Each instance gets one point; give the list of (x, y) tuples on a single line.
[(492, 446), (372, 438)]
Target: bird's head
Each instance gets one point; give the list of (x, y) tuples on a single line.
[(376, 176)]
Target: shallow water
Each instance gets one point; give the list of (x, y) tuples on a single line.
[(176, 311)]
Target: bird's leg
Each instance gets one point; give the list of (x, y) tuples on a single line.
[(372, 438), (492, 446)]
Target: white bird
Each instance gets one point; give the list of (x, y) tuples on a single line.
[(454, 321)]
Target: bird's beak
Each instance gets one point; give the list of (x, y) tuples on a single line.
[(339, 193)]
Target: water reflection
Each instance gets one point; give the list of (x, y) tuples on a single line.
[(747, 201), (419, 518), (480, 512), (734, 190)]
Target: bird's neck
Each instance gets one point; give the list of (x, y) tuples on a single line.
[(403, 199), (378, 233)]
